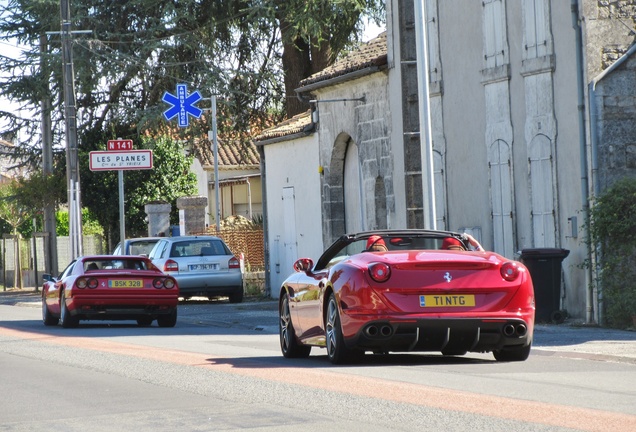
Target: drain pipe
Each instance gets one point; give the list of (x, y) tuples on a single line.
[(589, 298)]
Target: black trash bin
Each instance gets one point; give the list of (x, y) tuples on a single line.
[(544, 265)]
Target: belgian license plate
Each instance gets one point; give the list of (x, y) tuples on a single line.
[(447, 300), (125, 283), (195, 267)]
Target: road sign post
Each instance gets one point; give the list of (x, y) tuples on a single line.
[(120, 156)]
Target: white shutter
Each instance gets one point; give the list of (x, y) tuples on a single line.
[(440, 190), (536, 29), (494, 33), (434, 67), (501, 196), (542, 192)]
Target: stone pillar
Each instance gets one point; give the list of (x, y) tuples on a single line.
[(158, 218), (192, 214)]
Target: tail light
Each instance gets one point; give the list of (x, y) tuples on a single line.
[(234, 263), (379, 272), (509, 271), (159, 283), (87, 283), (170, 265)]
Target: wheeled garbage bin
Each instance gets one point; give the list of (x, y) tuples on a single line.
[(544, 265)]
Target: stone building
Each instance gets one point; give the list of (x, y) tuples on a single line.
[(531, 113)]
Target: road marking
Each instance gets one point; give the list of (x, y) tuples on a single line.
[(584, 419)]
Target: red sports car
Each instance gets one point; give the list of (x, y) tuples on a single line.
[(403, 291), (108, 287)]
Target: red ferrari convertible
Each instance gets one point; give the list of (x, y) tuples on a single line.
[(407, 291), (108, 287)]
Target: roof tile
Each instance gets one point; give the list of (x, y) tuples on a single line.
[(296, 124), (231, 155), (369, 54)]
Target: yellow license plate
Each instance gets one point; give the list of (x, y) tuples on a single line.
[(126, 283), (447, 300)]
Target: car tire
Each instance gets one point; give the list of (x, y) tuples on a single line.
[(512, 354), (47, 318), (289, 345), (337, 351), (236, 297), (66, 319), (169, 320), (144, 321)]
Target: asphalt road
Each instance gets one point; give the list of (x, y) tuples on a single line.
[(220, 368), (571, 339)]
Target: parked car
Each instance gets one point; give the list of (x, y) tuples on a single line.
[(416, 296), (104, 287), (202, 265), (136, 246)]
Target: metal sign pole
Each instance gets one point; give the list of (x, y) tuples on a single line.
[(215, 147), (122, 217)]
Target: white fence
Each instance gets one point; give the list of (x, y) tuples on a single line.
[(32, 259)]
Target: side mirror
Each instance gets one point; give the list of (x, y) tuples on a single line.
[(47, 278), (303, 265)]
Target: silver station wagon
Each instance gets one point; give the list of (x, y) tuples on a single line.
[(202, 265)]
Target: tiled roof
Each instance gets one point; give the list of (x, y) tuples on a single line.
[(231, 155), (368, 55), (296, 124)]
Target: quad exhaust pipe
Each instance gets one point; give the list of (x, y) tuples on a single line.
[(511, 330)]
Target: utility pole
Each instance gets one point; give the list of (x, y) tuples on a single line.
[(426, 143), (212, 136), (72, 166), (47, 162)]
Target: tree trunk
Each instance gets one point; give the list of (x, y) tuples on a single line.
[(296, 67), (17, 274)]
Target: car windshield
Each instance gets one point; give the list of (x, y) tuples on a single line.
[(141, 247), (400, 242), (114, 264), (199, 248)]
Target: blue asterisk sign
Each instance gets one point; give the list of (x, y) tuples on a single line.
[(182, 105)]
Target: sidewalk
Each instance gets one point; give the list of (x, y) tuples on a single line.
[(570, 339), (585, 341)]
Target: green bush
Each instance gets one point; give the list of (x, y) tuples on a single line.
[(613, 232)]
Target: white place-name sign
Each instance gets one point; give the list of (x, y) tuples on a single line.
[(120, 160)]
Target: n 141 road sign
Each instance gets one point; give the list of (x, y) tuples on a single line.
[(119, 144), (120, 160)]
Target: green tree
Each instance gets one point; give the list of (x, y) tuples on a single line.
[(613, 233), (139, 49), (169, 179), (14, 212), (90, 224)]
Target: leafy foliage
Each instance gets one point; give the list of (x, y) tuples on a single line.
[(613, 228), (170, 179), (139, 49), (90, 225), (13, 210)]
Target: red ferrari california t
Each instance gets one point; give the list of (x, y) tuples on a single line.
[(109, 287), (407, 291)]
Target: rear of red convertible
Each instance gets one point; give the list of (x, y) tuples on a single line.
[(445, 301)]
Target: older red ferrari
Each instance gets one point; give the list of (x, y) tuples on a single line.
[(108, 287), (407, 291)]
